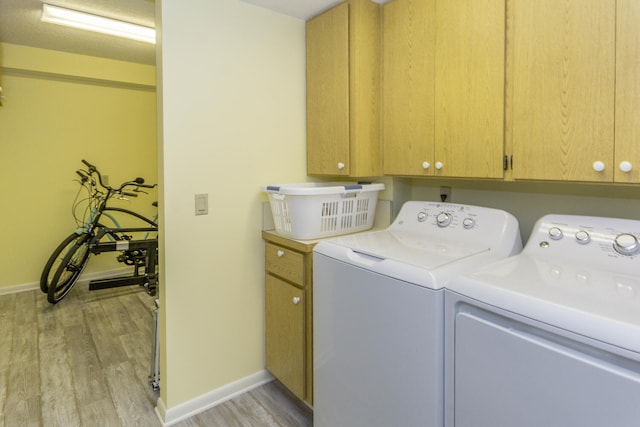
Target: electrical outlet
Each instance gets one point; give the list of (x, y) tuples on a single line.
[(445, 194)]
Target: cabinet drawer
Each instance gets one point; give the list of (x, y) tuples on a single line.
[(285, 263)]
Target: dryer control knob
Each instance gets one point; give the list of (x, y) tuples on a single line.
[(583, 237), (422, 216), (443, 219), (468, 223), (626, 244), (555, 233)]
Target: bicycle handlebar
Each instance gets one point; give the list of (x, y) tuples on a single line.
[(138, 182)]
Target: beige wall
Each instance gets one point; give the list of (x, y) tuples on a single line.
[(61, 108), (232, 91)]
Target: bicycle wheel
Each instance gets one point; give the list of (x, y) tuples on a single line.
[(65, 266)]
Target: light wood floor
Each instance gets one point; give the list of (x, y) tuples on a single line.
[(85, 362)]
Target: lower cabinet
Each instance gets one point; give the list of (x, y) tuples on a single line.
[(288, 313), (285, 333)]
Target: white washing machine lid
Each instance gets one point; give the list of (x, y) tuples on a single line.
[(429, 243), (593, 302), (425, 252), (419, 260)]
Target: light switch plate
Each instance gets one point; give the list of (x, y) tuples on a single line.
[(202, 204)]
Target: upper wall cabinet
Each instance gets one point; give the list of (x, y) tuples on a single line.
[(470, 73), (443, 88), (343, 84), (627, 133), (408, 73), (563, 83)]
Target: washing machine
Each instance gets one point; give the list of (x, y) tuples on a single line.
[(379, 311), (550, 337)]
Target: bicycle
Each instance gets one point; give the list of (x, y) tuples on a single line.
[(70, 258)]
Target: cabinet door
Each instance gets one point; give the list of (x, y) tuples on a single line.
[(328, 92), (563, 89), (627, 147), (285, 339), (469, 88), (408, 52)]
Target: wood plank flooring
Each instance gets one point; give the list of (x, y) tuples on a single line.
[(85, 362)]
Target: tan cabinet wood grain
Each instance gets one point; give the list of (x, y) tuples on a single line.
[(285, 333), (328, 92), (469, 88), (343, 85), (443, 88), (627, 147), (289, 312), (285, 263), (563, 89), (408, 93)]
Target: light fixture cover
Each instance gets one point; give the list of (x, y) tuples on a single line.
[(100, 24)]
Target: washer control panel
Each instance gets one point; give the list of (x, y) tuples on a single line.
[(475, 225), (443, 215), (589, 240)]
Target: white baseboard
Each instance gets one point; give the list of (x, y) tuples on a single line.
[(13, 289), (208, 400)]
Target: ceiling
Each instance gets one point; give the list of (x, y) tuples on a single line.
[(20, 24)]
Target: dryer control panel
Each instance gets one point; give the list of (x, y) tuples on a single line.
[(613, 243)]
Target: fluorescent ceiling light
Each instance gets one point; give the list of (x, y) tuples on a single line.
[(100, 24)]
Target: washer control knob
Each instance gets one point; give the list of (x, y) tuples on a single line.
[(626, 244), (555, 233), (422, 216), (443, 219), (583, 237), (468, 223)]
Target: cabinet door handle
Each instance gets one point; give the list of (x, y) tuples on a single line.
[(425, 165), (280, 253), (626, 166), (598, 166), (296, 300), (439, 165), (340, 165)]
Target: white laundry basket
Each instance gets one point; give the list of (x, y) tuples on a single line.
[(314, 210)]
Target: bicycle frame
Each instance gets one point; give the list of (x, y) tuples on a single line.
[(140, 253), (145, 248)]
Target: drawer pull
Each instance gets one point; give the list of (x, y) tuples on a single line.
[(280, 253), (296, 300)]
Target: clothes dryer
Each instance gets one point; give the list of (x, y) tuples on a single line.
[(550, 337), (378, 311)]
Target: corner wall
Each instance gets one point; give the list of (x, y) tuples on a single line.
[(232, 90)]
